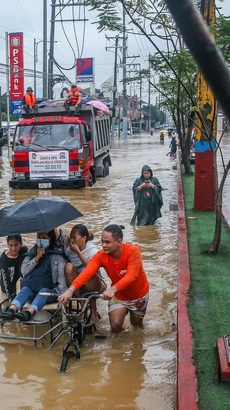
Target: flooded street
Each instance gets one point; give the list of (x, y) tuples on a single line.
[(132, 370)]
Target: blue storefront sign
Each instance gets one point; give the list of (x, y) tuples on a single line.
[(85, 70), (15, 107)]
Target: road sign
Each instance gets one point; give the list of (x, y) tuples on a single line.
[(15, 107), (106, 86)]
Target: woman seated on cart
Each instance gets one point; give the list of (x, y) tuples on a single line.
[(42, 270), (80, 251)]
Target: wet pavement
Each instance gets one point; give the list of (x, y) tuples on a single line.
[(133, 370), (225, 149)]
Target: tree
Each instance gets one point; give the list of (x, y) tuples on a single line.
[(223, 36), (153, 21), (177, 82), (156, 114)]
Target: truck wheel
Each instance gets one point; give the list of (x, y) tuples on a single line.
[(91, 181), (106, 169), (92, 178)]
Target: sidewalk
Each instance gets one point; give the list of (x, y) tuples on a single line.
[(205, 304)]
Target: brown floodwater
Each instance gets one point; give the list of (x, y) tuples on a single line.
[(137, 368)]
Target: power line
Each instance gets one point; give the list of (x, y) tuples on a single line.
[(27, 22), (74, 30)]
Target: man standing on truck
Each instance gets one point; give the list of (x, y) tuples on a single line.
[(29, 101), (74, 99)]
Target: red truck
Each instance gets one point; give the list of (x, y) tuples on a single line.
[(56, 150)]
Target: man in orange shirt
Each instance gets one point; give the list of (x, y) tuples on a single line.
[(129, 287)]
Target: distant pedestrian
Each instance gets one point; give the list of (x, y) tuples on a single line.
[(173, 146)]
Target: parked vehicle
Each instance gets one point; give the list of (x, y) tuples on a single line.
[(5, 134), (54, 150)]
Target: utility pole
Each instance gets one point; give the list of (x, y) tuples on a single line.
[(140, 106), (51, 53), (114, 87), (8, 92), (54, 20), (134, 68), (35, 67), (1, 129), (115, 72), (45, 89), (205, 184), (149, 99), (125, 134)]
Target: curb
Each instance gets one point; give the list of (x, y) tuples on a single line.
[(186, 372)]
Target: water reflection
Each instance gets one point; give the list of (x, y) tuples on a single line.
[(134, 370)]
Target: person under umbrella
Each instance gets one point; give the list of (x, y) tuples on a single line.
[(80, 252), (43, 271), (10, 265)]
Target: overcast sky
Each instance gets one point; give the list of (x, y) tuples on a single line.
[(26, 16)]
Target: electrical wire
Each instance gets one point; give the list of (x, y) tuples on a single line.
[(61, 71), (27, 22), (61, 7), (74, 29), (67, 39), (83, 35)]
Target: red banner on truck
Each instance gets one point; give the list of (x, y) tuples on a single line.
[(16, 66)]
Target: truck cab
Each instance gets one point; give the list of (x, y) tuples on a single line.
[(56, 150)]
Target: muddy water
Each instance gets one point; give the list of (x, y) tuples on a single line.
[(133, 370)]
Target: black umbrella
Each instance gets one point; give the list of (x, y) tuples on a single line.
[(36, 215)]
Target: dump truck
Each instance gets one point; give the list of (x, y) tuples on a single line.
[(53, 149)]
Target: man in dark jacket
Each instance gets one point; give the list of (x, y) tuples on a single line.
[(147, 197)]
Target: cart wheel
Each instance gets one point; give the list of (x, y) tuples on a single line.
[(81, 333), (65, 360)]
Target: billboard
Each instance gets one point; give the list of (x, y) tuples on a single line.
[(16, 66), (85, 70)]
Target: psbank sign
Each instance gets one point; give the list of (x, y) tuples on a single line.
[(16, 66)]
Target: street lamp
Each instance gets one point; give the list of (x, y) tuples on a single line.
[(35, 65)]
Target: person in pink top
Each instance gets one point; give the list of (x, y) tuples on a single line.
[(129, 285)]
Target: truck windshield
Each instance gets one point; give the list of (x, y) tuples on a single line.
[(50, 136)]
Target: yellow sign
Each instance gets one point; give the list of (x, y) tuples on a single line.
[(205, 99)]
